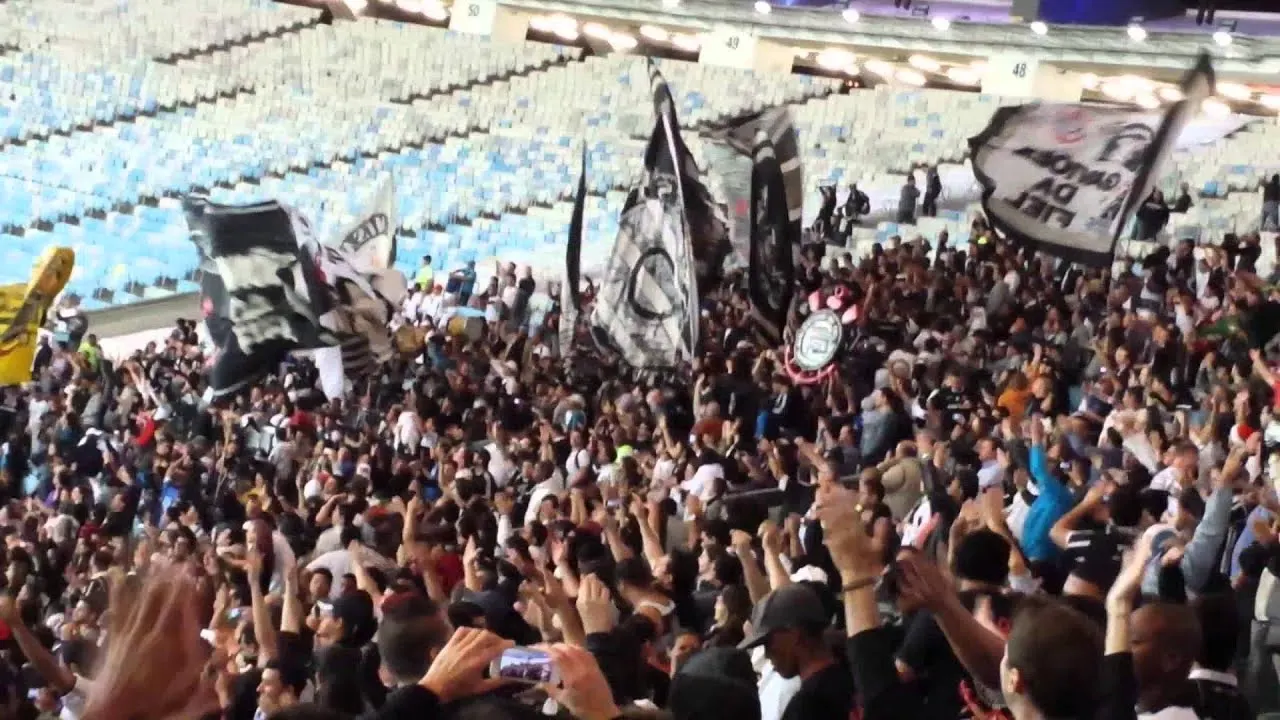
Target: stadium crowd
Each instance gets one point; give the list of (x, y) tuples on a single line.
[(1029, 489)]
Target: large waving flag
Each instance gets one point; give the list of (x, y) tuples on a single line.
[(370, 240), (262, 297), (23, 307), (366, 291), (570, 289), (766, 200), (1066, 177), (647, 307)]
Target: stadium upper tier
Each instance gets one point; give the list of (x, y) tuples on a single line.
[(246, 100)]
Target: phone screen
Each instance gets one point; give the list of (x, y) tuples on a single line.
[(525, 665)]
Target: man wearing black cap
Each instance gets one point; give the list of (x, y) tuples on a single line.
[(789, 623), (348, 620)]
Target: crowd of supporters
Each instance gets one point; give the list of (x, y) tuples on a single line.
[(1028, 488)]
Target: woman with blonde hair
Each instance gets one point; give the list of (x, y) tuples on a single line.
[(156, 664)]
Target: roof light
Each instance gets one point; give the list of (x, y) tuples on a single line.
[(851, 15), (1039, 28), (910, 77), (654, 33), (924, 62), (878, 67), (596, 30), (688, 43), (622, 42), (1234, 91), (1117, 91), (763, 7), (1216, 108), (963, 76), (433, 10), (1223, 38), (1137, 33), (941, 24), (835, 58)]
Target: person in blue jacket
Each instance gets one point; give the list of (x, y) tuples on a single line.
[(1054, 501)]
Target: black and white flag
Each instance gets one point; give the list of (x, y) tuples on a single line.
[(647, 306), (365, 293), (774, 208), (1066, 177), (262, 297), (370, 240), (708, 231), (570, 290)]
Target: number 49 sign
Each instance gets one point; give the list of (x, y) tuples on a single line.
[(729, 48), (475, 17)]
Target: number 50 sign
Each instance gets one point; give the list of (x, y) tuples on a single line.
[(475, 17)]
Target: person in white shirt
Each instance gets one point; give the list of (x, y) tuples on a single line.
[(431, 305), (408, 430)]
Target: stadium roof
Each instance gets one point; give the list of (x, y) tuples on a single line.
[(985, 33)]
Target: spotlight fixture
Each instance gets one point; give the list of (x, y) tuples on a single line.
[(433, 10), (1039, 28), (687, 43), (654, 33), (1215, 108), (1222, 38), (964, 76), (763, 7), (911, 77), (879, 68), (835, 59), (1118, 91), (596, 30), (1147, 102), (924, 62), (941, 24), (851, 15), (1137, 33), (622, 42), (1233, 91)]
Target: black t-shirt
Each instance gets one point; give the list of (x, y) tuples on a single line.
[(826, 695), (938, 674)]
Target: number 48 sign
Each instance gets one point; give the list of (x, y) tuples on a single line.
[(475, 17)]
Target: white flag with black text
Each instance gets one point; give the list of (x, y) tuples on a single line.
[(1066, 177)]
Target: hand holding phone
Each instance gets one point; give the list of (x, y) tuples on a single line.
[(525, 665)]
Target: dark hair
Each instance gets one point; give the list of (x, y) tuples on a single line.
[(1189, 499), (1219, 630), (408, 634), (338, 679), (349, 534), (1055, 650), (982, 556), (1126, 505), (307, 711)]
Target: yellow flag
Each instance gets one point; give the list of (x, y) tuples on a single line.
[(22, 310)]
